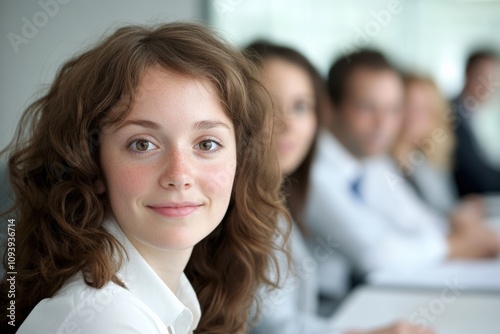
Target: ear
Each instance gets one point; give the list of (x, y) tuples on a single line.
[(99, 186)]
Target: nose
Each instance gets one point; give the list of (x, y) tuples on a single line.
[(383, 117), (177, 171)]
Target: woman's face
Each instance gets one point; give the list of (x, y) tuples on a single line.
[(419, 108), (294, 90), (169, 166)]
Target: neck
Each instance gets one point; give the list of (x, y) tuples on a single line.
[(336, 131), (168, 264), (405, 148), (473, 93)]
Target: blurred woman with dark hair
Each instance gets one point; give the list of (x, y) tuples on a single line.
[(300, 94)]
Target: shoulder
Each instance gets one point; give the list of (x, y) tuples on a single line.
[(78, 308)]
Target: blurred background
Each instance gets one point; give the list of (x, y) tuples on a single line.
[(426, 36), (430, 37), (433, 37)]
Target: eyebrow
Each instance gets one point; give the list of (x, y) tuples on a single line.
[(206, 125), (201, 125), (140, 122)]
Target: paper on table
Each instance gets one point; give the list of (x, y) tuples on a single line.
[(481, 275), (448, 310), (475, 274)]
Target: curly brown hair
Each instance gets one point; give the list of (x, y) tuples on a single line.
[(54, 164)]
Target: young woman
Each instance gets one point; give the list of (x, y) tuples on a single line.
[(146, 190), (423, 153), (299, 91), (424, 147)]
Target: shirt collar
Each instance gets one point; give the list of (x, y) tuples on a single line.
[(331, 151), (180, 311)]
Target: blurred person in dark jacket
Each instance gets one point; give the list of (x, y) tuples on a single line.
[(473, 171)]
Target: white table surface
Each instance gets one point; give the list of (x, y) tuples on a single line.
[(477, 275), (481, 275), (450, 310)]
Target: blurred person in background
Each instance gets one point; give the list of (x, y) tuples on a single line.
[(423, 149), (477, 116), (299, 92), (355, 199)]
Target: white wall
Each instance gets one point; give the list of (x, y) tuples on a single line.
[(429, 36), (29, 59)]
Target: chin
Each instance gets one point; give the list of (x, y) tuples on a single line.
[(176, 241), (185, 237), (375, 151), (172, 236)]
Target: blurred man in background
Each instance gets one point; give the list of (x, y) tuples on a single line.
[(356, 199), (477, 154)]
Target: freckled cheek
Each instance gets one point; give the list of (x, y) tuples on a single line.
[(128, 181), (216, 180)]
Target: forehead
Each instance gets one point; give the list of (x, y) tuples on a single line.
[(286, 74), (157, 83), (419, 85), (168, 96), (381, 81), (487, 64)]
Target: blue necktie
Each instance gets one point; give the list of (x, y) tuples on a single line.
[(356, 188)]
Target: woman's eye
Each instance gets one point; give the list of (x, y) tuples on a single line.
[(208, 145), (301, 107), (142, 145), (365, 106)]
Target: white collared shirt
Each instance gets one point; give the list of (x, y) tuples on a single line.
[(147, 305), (485, 126), (293, 307), (389, 228), (435, 186)]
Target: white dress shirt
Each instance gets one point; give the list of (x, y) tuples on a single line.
[(147, 305), (388, 227), (485, 125), (292, 309), (435, 186)]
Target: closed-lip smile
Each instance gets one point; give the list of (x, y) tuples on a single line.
[(175, 209)]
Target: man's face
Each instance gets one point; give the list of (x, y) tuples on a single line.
[(369, 117), (482, 78)]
